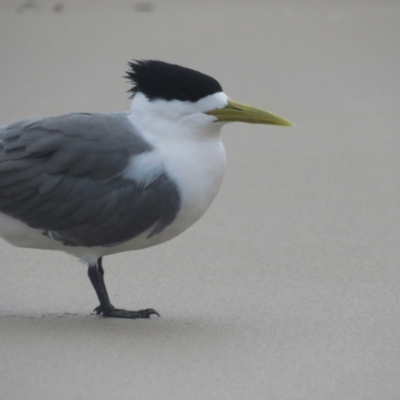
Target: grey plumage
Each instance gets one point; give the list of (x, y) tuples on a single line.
[(63, 175)]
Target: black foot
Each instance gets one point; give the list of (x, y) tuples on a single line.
[(96, 275), (118, 313)]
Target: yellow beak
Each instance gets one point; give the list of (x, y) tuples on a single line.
[(243, 113)]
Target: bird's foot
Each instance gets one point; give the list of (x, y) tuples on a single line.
[(112, 312)]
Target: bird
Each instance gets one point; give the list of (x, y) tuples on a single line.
[(96, 184)]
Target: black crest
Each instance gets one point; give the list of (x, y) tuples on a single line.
[(160, 80)]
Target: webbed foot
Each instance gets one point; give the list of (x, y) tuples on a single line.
[(112, 312)]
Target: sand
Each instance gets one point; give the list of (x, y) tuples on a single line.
[(289, 287)]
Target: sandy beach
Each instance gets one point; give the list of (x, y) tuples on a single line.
[(289, 287)]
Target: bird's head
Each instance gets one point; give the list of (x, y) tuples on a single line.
[(171, 94)]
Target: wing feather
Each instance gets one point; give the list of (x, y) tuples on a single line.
[(64, 176)]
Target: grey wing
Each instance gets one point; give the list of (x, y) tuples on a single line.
[(64, 175)]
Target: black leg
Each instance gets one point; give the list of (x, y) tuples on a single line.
[(96, 276)]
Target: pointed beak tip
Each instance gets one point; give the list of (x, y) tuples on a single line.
[(288, 124)]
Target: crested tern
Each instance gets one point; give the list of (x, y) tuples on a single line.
[(98, 184)]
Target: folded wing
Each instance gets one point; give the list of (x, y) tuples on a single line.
[(65, 176)]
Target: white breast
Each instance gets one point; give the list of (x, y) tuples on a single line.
[(187, 143), (197, 168)]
